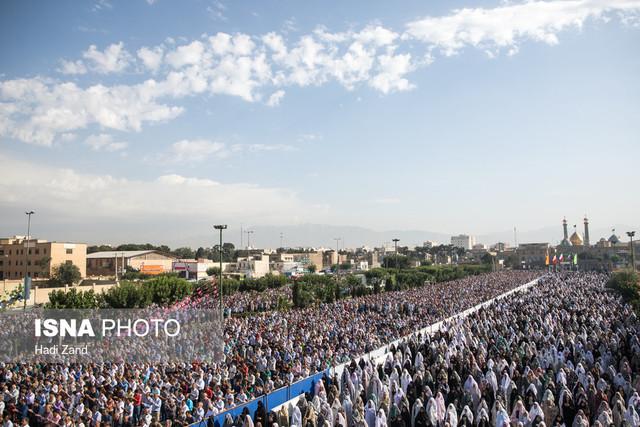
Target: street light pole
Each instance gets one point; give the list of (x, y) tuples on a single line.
[(249, 233), (395, 243), (337, 239), (633, 253), (220, 289), (26, 264)]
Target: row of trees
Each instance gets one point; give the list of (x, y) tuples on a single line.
[(229, 252), (306, 290), (311, 289), (162, 291)]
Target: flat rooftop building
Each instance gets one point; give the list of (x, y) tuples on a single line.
[(37, 258), (148, 262)]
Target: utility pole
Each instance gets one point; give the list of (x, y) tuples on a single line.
[(220, 227), (337, 239), (26, 264), (633, 253), (281, 239)]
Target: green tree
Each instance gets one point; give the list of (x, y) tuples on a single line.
[(301, 295), (100, 248), (74, 299), (396, 261), (229, 253), (185, 253), (166, 290), (487, 258), (213, 271), (127, 295), (626, 283), (43, 264), (65, 274), (311, 268)]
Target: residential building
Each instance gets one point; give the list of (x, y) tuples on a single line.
[(499, 247), (373, 259), (463, 241), (37, 258), (193, 269), (148, 262), (254, 266)]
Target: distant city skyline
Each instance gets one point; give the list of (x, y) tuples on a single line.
[(449, 116), (312, 235)]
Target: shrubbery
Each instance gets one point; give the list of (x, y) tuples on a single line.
[(75, 299), (626, 283), (307, 290), (162, 290)]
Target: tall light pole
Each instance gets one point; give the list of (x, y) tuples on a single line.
[(395, 243), (337, 239), (249, 233), (220, 227), (281, 239), (633, 253), (26, 264)]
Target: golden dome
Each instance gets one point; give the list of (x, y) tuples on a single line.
[(576, 239)]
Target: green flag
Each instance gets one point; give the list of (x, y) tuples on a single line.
[(575, 259)]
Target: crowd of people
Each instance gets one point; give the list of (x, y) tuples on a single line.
[(565, 353), (262, 352)]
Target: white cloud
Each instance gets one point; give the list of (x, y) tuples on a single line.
[(506, 26), (68, 137), (195, 150), (377, 35), (216, 11), (85, 197), (275, 98), (151, 57), (391, 74), (112, 60), (101, 5), (104, 142), (36, 110), (72, 67), (262, 68), (190, 54), (257, 148), (309, 137), (199, 150)]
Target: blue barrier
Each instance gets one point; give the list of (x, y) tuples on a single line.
[(218, 420), (277, 397), (306, 385), (270, 401)]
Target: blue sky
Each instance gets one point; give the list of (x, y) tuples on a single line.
[(446, 116)]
